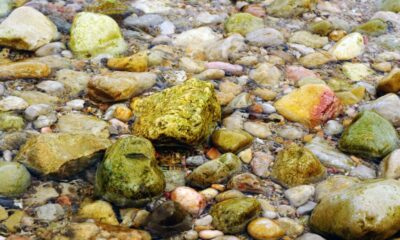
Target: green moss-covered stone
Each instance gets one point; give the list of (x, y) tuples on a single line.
[(364, 211), (231, 140), (129, 175), (373, 27), (93, 34), (215, 171), (323, 27), (243, 23), (61, 154), (290, 8), (14, 179), (11, 122), (108, 7), (232, 216), (186, 113), (391, 5), (296, 165), (370, 136)]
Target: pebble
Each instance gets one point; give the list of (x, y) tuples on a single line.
[(300, 195), (13, 103), (210, 234), (264, 228), (333, 127), (204, 221), (310, 236), (257, 129), (49, 212), (189, 199), (76, 104), (51, 87)]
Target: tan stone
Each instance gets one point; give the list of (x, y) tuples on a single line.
[(17, 70)]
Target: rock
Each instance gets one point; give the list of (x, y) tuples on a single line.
[(15, 179), (5, 7), (246, 182), (389, 166), (210, 234), (296, 166), (373, 27), (118, 86), (306, 209), (11, 122), (93, 34), (243, 23), (168, 219), (291, 227), (329, 155), (390, 5), (391, 82), (145, 22), (231, 140), (260, 164), (308, 39), (197, 38), (80, 123), (299, 195), (310, 236), (382, 137), (114, 7), (98, 210), (189, 199), (356, 71), (12, 103), (290, 133), (13, 222), (60, 154), (26, 29), (349, 47), (265, 94), (231, 216), (45, 121), (265, 37), (133, 158), (257, 129), (26, 69), (225, 49), (123, 113), (332, 185), (190, 65), (163, 116), (290, 8), (296, 73), (322, 27), (311, 105), (366, 210), (229, 194), (51, 87), (53, 48), (3, 214), (35, 97), (316, 59), (266, 75), (215, 171), (134, 63), (204, 221), (363, 172), (49, 212), (332, 128), (264, 228), (75, 82), (76, 104)]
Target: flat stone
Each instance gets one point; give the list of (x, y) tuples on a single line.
[(25, 69), (80, 123)]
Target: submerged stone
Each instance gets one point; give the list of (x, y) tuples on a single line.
[(391, 5), (14, 180), (323, 27), (373, 27), (129, 175), (80, 123), (231, 140), (186, 113), (243, 23), (11, 122), (108, 7), (349, 47), (391, 82), (290, 8)]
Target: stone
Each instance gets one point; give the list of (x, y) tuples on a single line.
[(356, 71), (76, 104), (264, 228), (257, 129), (363, 172), (60, 155), (265, 37), (310, 105), (349, 47), (231, 216), (196, 38), (369, 136), (215, 171), (243, 23), (290, 8), (332, 185), (367, 210), (290, 133), (260, 164), (265, 94), (226, 49), (54, 48), (168, 219), (24, 69), (11, 122), (35, 97), (190, 65), (93, 34), (119, 86), (5, 7), (45, 121), (266, 75), (15, 179), (299, 195), (247, 182), (145, 22), (80, 123), (291, 227), (231, 140), (322, 27), (296, 166), (27, 29), (390, 5), (316, 59), (13, 222), (310, 236), (163, 116), (389, 167), (3, 214), (332, 128), (107, 7), (297, 73), (75, 82), (134, 63), (49, 212), (51, 87), (98, 210), (123, 113), (12, 103), (204, 221), (373, 27), (189, 199), (308, 39), (390, 83), (134, 159), (329, 155), (210, 234)]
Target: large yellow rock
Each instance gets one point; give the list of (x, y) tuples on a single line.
[(390, 83), (310, 105)]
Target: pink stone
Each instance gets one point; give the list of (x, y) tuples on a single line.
[(189, 199), (227, 67)]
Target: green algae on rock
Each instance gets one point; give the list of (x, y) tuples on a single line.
[(15, 179), (11, 122), (391, 5), (370, 136), (93, 34), (373, 27), (323, 27), (108, 7), (243, 23), (290, 8), (61, 155), (231, 140), (215, 171), (232, 216), (187, 113), (296, 165), (364, 211), (129, 175)]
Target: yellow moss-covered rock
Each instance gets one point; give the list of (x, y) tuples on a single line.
[(99, 210), (187, 113), (134, 63)]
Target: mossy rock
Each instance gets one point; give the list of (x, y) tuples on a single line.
[(243, 23), (129, 175), (391, 5), (290, 8), (232, 216), (370, 136), (373, 27), (231, 140), (14, 179), (322, 28), (11, 122), (108, 7)]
